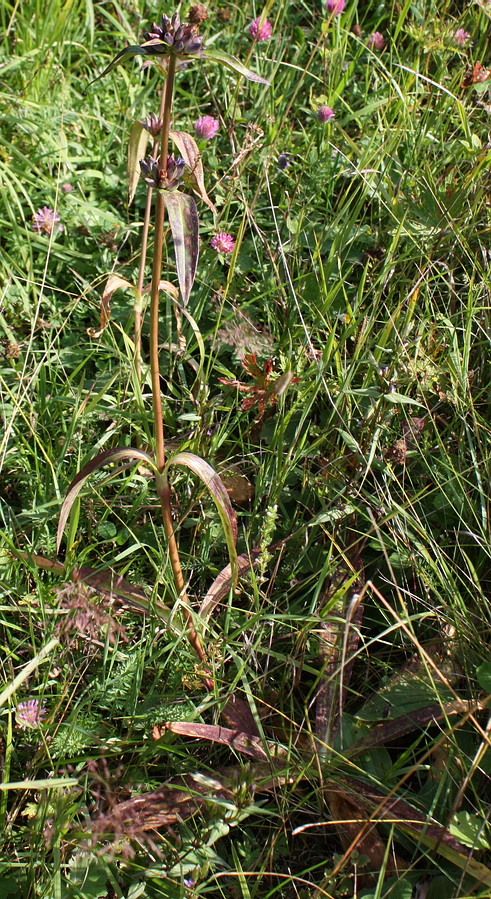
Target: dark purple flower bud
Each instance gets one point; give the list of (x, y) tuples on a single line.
[(152, 124), (182, 39), (155, 176), (284, 160), (175, 171), (151, 171)]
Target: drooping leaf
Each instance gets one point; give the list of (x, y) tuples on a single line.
[(104, 458), (114, 282), (183, 220), (137, 147), (218, 492), (225, 59), (193, 175), (169, 288)]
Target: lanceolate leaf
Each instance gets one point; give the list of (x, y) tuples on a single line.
[(216, 488), (183, 221), (232, 63), (122, 56), (193, 175), (137, 148), (247, 744), (111, 455)]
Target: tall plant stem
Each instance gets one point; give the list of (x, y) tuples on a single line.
[(143, 258), (163, 488)]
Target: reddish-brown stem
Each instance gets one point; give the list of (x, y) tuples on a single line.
[(163, 488), (143, 257)]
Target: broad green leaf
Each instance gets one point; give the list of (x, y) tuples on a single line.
[(114, 282), (225, 59), (111, 455), (470, 830), (400, 398), (218, 492), (183, 220), (137, 147), (194, 175)]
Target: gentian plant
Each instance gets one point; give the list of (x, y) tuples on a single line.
[(171, 45)]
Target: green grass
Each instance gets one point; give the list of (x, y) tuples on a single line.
[(363, 267)]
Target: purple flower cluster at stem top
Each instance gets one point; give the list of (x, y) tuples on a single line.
[(46, 221), (223, 242), (206, 127), (260, 31)]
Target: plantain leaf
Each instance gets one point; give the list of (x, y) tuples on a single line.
[(111, 455), (225, 59), (183, 220), (193, 175), (137, 147), (218, 492)]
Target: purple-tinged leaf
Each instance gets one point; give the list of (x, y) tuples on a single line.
[(111, 455), (218, 493), (232, 63), (237, 714), (193, 175), (183, 220), (390, 731), (247, 744)]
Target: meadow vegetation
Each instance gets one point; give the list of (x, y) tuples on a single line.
[(317, 726)]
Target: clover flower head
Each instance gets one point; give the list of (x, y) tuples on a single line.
[(152, 124), (66, 188), (376, 41), (260, 31), (335, 7), (46, 221), (206, 127), (223, 242), (324, 113), (171, 36), (461, 37), (29, 714)]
